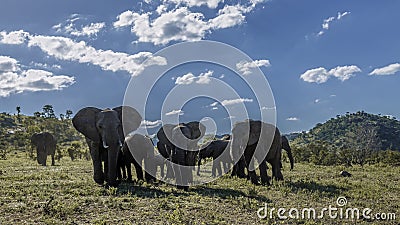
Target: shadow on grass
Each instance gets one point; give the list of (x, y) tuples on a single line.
[(154, 191), (329, 190)]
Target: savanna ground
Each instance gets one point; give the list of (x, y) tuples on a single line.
[(67, 194)]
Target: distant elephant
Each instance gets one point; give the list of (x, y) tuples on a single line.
[(255, 140), (178, 143), (139, 149), (45, 144), (218, 150), (104, 134)]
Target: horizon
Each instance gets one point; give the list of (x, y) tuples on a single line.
[(320, 58)]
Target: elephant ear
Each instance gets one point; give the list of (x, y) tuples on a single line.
[(85, 122), (129, 117)]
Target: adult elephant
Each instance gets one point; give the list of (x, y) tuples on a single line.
[(45, 144), (255, 140), (104, 134), (218, 150), (178, 143)]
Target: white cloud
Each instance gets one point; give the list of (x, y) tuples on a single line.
[(246, 67), (317, 100), (317, 75), (222, 76), (321, 75), (174, 112), (185, 79), (327, 22), (387, 70), (214, 108), (268, 108), (70, 27), (232, 101), (89, 30), (46, 66), (210, 3), (67, 49), (14, 37), (203, 78), (150, 124), (344, 73), (180, 23), (292, 119), (13, 79)]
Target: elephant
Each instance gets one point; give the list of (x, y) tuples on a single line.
[(255, 140), (105, 134), (216, 150), (165, 146), (45, 144), (288, 149), (178, 143), (139, 149)]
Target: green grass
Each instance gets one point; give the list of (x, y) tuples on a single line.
[(66, 193)]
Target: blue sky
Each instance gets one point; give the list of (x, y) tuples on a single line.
[(321, 58)]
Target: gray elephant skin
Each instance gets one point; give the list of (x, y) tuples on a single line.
[(105, 134), (218, 150), (45, 144), (139, 150), (255, 140), (178, 143)]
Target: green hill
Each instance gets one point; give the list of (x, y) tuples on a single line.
[(360, 127)]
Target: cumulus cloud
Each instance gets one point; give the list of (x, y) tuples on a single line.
[(387, 70), (180, 23), (13, 79), (246, 67), (209, 3), (232, 101), (321, 75), (174, 112), (150, 124), (72, 28), (67, 49), (203, 78), (14, 37), (327, 22), (292, 119)]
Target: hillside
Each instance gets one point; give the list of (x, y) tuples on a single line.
[(361, 128)]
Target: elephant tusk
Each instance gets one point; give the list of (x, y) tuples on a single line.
[(120, 143), (105, 145)]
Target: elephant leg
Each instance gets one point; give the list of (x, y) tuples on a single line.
[(276, 170), (162, 169), (226, 167), (251, 173), (98, 174), (179, 158), (129, 171), (139, 171), (198, 166), (52, 160), (263, 173)]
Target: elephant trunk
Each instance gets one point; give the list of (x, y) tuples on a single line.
[(112, 166), (289, 152)]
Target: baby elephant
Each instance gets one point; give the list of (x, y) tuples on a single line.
[(45, 144), (139, 149), (218, 150)]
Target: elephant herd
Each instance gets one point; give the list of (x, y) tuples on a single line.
[(114, 147)]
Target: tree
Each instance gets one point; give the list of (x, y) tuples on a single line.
[(18, 108), (68, 114), (48, 111)]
